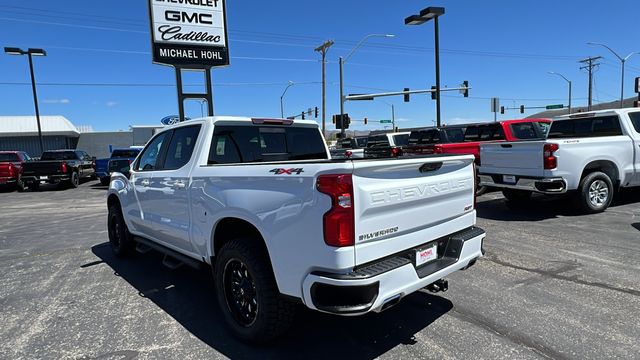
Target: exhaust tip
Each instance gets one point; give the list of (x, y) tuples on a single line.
[(392, 301)]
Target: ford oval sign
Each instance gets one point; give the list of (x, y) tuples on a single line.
[(171, 120)]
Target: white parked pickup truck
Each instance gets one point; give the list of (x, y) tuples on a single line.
[(590, 154), (279, 222)]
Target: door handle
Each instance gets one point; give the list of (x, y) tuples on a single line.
[(145, 182), (179, 184)]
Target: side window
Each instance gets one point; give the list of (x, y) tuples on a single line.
[(607, 126), (224, 150), (181, 147), (635, 120), (151, 153), (472, 134)]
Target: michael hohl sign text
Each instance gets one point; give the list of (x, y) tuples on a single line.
[(190, 33)]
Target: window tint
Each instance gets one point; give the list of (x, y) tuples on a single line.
[(9, 157), (424, 137), (125, 153), (378, 141), (586, 127), (401, 140), (242, 144), (362, 142), (528, 130), (59, 155), (346, 143), (455, 135), (491, 132), (635, 120), (181, 147), (151, 153)]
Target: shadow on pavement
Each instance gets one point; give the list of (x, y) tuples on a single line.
[(189, 297), (541, 207)]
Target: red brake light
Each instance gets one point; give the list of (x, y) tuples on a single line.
[(339, 227), (550, 161), (437, 149), (12, 170), (395, 152), (348, 154), (63, 167)]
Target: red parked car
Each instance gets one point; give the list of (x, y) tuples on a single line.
[(11, 168), (466, 139)]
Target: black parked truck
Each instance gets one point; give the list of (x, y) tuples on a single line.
[(63, 167)]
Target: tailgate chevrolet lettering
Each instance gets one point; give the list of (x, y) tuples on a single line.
[(420, 191)]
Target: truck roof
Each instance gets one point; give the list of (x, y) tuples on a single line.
[(246, 120), (596, 113)]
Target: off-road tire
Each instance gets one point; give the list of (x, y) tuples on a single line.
[(120, 239), (273, 315)]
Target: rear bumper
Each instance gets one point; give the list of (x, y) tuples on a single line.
[(7, 180), (49, 179), (374, 287), (554, 185)]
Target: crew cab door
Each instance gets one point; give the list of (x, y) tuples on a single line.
[(162, 189)]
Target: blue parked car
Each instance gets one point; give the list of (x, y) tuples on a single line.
[(118, 162)]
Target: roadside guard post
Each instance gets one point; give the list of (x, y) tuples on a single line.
[(192, 36)]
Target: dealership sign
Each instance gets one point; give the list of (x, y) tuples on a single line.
[(189, 33)]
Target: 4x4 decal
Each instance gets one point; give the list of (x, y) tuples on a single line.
[(287, 171)]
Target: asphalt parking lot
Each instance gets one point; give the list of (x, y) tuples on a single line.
[(554, 284)]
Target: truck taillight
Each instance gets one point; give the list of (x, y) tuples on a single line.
[(63, 167), (12, 170), (339, 227), (550, 161), (437, 149), (476, 185), (395, 152)]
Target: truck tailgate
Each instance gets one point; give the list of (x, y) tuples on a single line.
[(512, 158), (36, 168), (404, 203)]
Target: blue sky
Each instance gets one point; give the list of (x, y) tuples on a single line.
[(98, 70)]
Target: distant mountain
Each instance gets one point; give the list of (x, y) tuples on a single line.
[(602, 106)]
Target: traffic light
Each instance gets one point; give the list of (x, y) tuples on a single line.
[(406, 95), (366, 121), (434, 95), (521, 109), (501, 109), (465, 85), (333, 118), (316, 112), (303, 115), (339, 123)]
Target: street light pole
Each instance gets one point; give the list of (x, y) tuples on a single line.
[(567, 80), (424, 16), (30, 53), (341, 61), (291, 83), (623, 60), (323, 50)]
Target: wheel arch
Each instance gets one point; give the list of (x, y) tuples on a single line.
[(606, 166), (230, 228)]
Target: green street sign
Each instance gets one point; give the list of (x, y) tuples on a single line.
[(551, 107), (385, 121)]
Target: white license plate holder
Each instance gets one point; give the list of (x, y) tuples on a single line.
[(44, 178), (426, 255), (509, 179)]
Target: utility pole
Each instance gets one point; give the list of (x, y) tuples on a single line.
[(590, 65), (323, 50)]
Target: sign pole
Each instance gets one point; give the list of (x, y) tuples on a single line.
[(209, 91)]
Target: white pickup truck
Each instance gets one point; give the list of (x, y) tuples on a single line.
[(591, 154), (279, 222)]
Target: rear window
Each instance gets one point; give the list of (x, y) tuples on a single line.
[(245, 144), (401, 140), (9, 157), (635, 120), (454, 135), (378, 141), (59, 155), (125, 154), (491, 132), (529, 130), (424, 137), (345, 144), (586, 127), (362, 142)]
